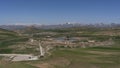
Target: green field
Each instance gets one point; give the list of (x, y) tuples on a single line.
[(90, 57), (16, 65), (97, 57), (94, 57)]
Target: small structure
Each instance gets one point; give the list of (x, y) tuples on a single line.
[(31, 40), (91, 41)]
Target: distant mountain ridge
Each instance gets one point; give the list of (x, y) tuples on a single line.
[(67, 25)]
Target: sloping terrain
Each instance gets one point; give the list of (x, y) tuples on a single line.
[(9, 38)]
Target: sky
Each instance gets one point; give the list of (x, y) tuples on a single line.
[(59, 11)]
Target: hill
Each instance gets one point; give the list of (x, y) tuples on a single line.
[(9, 38)]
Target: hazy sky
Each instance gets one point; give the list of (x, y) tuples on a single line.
[(59, 11)]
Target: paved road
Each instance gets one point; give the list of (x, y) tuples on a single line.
[(20, 57)]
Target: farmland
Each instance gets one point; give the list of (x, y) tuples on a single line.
[(87, 48)]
